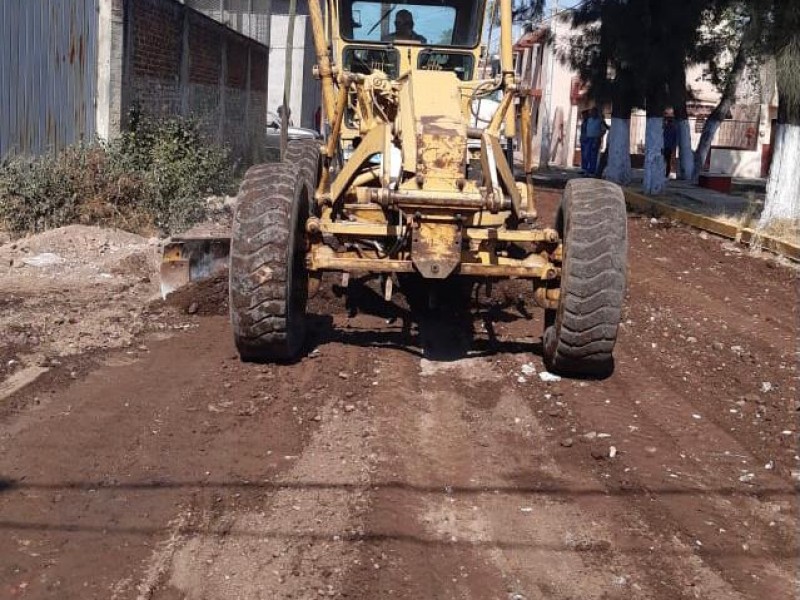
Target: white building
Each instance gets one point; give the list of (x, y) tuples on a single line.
[(741, 147)]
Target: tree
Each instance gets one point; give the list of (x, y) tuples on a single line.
[(782, 204), (672, 33), (733, 39), (604, 54), (524, 11), (635, 54), (679, 95)]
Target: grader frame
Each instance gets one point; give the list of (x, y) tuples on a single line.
[(454, 224), (406, 183)]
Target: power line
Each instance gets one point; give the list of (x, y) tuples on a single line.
[(564, 10)]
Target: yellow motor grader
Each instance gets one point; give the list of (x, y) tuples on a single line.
[(404, 184)]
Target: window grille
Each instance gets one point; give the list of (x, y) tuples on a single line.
[(248, 17)]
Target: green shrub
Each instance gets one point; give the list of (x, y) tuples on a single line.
[(155, 176), (35, 195)]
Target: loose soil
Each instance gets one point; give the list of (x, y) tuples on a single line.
[(203, 297), (420, 454), (69, 293)]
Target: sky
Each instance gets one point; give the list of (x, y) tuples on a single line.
[(561, 4), (549, 5)]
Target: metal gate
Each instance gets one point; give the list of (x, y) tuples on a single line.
[(48, 72)]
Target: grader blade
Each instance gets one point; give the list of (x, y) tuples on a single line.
[(192, 257)]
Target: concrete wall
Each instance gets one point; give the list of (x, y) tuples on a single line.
[(555, 117), (559, 119), (167, 59), (305, 93), (110, 55)]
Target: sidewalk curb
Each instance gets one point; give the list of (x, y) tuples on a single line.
[(743, 235)]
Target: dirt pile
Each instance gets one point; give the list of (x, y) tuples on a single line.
[(205, 297), (78, 251), (71, 290)]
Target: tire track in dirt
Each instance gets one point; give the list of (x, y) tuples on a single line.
[(471, 449), (302, 540), (476, 507), (681, 475)]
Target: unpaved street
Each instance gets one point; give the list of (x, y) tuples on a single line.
[(424, 456)]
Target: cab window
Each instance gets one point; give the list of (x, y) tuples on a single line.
[(427, 23), (460, 64), (367, 59)]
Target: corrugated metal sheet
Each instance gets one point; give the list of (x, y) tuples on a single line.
[(48, 70)]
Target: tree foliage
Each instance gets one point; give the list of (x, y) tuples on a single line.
[(783, 39), (633, 53), (657, 39), (525, 11)]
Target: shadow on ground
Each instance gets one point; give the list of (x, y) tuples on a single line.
[(440, 321)]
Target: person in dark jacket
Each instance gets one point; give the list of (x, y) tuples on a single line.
[(596, 128), (584, 142), (670, 142), (404, 28)]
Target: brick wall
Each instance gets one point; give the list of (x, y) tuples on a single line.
[(179, 62), (157, 39), (154, 44), (205, 42)]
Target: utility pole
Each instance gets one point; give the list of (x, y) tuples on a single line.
[(547, 131), (287, 79)]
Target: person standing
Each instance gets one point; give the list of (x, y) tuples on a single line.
[(595, 130), (584, 142), (670, 142)]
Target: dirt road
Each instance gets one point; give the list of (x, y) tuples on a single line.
[(426, 459)]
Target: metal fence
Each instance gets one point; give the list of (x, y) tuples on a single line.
[(248, 17), (732, 134), (736, 135), (48, 69)]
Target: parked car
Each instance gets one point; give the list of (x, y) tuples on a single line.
[(295, 133)]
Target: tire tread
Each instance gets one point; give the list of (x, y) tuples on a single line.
[(581, 340), (260, 238)]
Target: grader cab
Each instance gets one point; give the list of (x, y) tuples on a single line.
[(407, 182)]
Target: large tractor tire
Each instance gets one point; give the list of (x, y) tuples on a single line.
[(268, 277), (580, 335), (303, 154)]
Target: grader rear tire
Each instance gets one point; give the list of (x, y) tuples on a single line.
[(268, 278), (580, 335)]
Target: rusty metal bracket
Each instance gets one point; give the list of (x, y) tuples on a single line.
[(504, 170), (436, 248), (372, 144), (546, 297)]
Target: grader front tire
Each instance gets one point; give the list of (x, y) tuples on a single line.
[(268, 279), (580, 335)]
